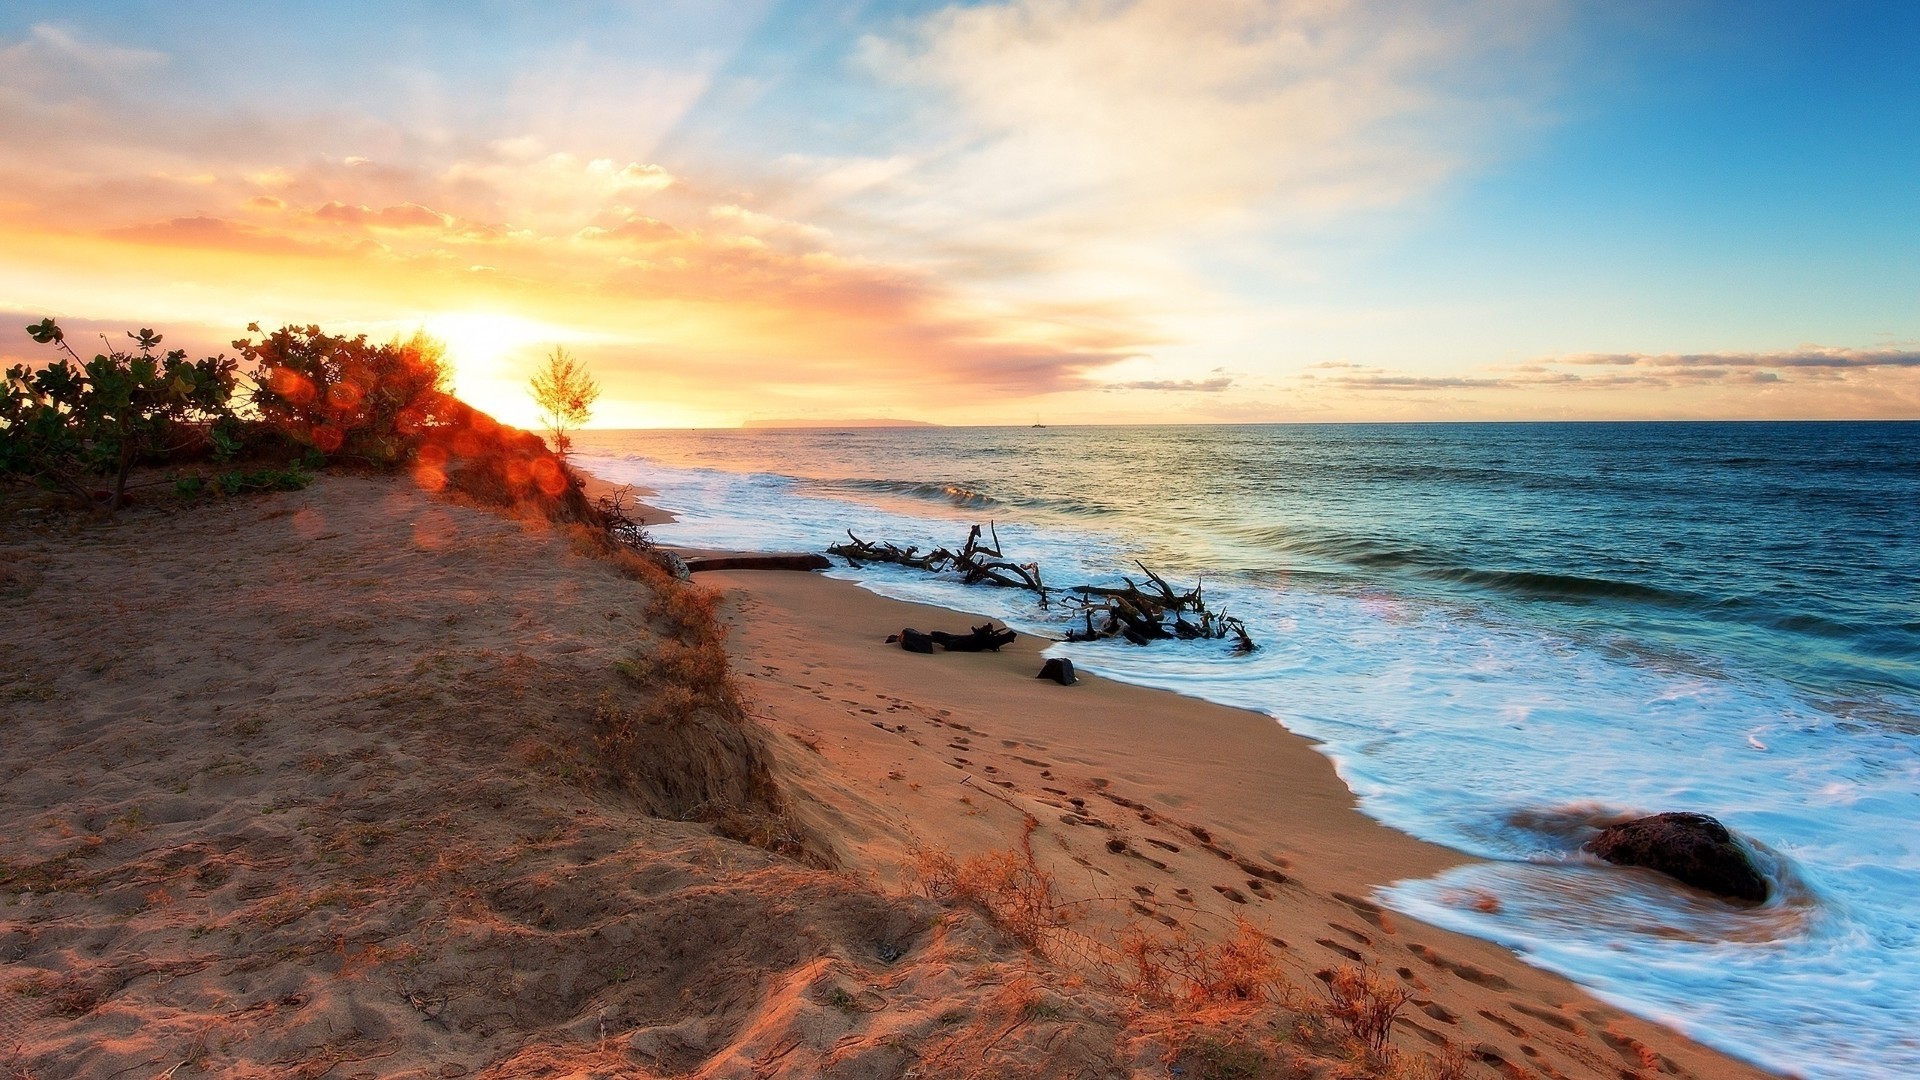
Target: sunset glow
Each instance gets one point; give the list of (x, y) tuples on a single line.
[(980, 213)]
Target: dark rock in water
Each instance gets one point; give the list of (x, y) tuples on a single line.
[(1691, 847), (1059, 669)]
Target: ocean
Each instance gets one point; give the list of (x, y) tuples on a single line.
[(1501, 633)]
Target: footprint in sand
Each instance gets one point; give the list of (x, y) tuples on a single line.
[(1335, 946), (1433, 1037), (1547, 1016), (1352, 933), (1512, 1028), (1233, 894), (1465, 971), (1261, 872)]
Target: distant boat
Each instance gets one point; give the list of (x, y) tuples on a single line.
[(1039, 425)]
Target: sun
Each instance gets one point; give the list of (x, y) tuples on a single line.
[(492, 354)]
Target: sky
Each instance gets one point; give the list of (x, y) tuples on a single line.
[(1060, 211)]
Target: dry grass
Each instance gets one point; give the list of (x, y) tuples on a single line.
[(1008, 885), (1174, 970), (1364, 1003), (1218, 1007)]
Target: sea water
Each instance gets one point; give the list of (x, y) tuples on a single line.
[(1502, 634)]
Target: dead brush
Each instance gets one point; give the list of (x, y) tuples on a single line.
[(1453, 1062), (1364, 1003), (1177, 971), (1017, 895)]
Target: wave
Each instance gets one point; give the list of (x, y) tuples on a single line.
[(1354, 550), (954, 494), (1573, 587)]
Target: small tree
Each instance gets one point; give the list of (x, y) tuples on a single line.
[(565, 393)]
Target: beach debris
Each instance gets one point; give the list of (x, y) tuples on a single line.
[(978, 560), (1140, 615), (1137, 613), (771, 561), (630, 532), (616, 509), (980, 639), (912, 640), (1059, 669), (1693, 848)]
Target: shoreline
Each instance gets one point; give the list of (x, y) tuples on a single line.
[(1178, 819)]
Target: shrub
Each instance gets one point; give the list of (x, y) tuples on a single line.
[(68, 421), (1009, 886), (346, 396), (288, 479), (1364, 1002), (1176, 970)]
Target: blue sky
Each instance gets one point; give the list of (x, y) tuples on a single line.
[(1240, 210)]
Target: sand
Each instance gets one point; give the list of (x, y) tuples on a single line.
[(305, 784)]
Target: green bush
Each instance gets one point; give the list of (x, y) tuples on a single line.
[(74, 420), (287, 479)]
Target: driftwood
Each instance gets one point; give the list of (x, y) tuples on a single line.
[(977, 561), (808, 561), (620, 524), (980, 639), (1137, 613)]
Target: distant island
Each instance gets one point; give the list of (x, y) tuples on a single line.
[(879, 422)]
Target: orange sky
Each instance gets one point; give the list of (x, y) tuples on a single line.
[(990, 214)]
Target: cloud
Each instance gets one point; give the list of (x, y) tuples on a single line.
[(214, 233), (1204, 386), (1805, 357), (404, 216), (1410, 382), (1052, 120), (1730, 371), (51, 54)]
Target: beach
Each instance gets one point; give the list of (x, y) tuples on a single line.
[(306, 784)]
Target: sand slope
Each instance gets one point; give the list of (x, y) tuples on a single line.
[(301, 785)]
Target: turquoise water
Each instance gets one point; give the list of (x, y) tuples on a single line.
[(1502, 633)]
